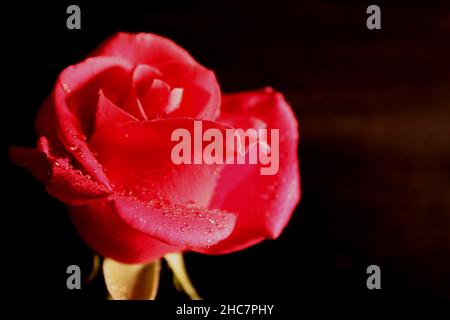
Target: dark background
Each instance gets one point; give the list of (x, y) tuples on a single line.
[(374, 113)]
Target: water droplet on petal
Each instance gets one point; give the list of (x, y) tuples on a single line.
[(190, 204), (209, 242), (155, 203)]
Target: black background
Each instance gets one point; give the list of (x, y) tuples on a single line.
[(373, 108)]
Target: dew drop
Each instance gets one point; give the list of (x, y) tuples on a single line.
[(73, 148), (190, 204), (65, 87), (155, 203), (209, 242)]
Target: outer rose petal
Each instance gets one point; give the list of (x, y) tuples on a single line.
[(165, 200), (143, 48), (62, 181), (75, 99), (264, 204), (137, 157), (103, 230), (179, 225)]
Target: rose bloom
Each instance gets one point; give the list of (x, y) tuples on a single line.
[(104, 150)]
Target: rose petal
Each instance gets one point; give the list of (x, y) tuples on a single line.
[(143, 48), (106, 233), (76, 87), (263, 203), (155, 98), (62, 180), (137, 157), (145, 173), (184, 226), (73, 186), (201, 92), (82, 82), (109, 114)]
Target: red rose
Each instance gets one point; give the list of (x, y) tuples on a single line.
[(105, 143)]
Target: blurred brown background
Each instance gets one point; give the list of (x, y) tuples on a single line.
[(374, 111)]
